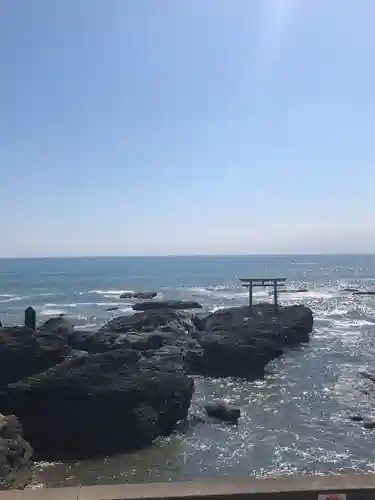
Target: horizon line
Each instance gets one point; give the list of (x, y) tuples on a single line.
[(145, 256)]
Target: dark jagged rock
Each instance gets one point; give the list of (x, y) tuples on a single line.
[(149, 321), (296, 290), (222, 411), (229, 342), (138, 295), (111, 308), (24, 352), (356, 418), (241, 342), (15, 455), (163, 332), (368, 376), (166, 304), (350, 289), (58, 328), (99, 404), (364, 292)]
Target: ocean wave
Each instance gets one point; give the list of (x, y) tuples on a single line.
[(52, 312), (86, 326), (110, 292), (14, 299), (79, 304), (336, 312)]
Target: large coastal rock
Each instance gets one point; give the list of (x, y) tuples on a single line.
[(166, 304), (99, 404), (157, 332), (229, 342), (240, 342), (24, 352), (15, 455)]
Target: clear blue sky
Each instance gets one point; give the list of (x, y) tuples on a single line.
[(135, 127)]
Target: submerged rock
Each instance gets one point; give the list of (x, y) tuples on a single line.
[(138, 295), (356, 418), (222, 411), (15, 455), (166, 304), (99, 404)]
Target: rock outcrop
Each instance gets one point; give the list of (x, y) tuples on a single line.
[(229, 342), (15, 454), (364, 292), (153, 333), (224, 412), (166, 304), (138, 295), (98, 404), (80, 394), (24, 352), (240, 342)]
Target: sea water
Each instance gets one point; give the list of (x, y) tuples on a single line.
[(294, 421)]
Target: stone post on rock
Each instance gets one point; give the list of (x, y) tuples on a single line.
[(30, 318)]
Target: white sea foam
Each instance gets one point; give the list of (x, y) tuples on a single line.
[(319, 293), (336, 312), (14, 299), (363, 322), (87, 326), (126, 310), (305, 263), (195, 290), (49, 305), (80, 304), (52, 312), (111, 293), (217, 308), (44, 294)]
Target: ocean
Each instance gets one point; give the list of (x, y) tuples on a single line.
[(295, 420)]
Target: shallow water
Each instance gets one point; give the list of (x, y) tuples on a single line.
[(294, 421)]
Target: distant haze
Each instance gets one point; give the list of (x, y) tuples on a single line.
[(159, 127)]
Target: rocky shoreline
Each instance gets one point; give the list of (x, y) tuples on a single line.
[(82, 394)]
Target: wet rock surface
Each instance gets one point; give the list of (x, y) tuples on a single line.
[(80, 394), (222, 411), (15, 454), (24, 352), (98, 404), (138, 295), (241, 342), (228, 342)]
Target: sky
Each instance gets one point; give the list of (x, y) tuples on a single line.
[(160, 127)]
